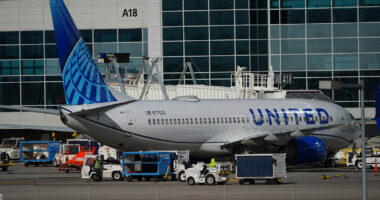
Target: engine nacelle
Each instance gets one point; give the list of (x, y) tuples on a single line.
[(305, 150)]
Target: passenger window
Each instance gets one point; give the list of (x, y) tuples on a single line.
[(267, 120), (331, 118), (149, 121), (304, 119), (234, 120), (291, 119), (162, 121), (183, 120), (187, 120), (175, 121), (238, 119), (209, 120), (200, 120), (217, 120), (158, 121), (300, 119), (167, 121), (196, 120), (205, 120), (316, 118), (171, 121), (191, 120), (154, 121), (242, 120)]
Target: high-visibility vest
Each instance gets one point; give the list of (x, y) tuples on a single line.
[(97, 164)]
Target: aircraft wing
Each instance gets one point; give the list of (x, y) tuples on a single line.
[(279, 137), (31, 127), (95, 108), (39, 110)]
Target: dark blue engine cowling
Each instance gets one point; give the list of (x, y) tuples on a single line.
[(308, 149)]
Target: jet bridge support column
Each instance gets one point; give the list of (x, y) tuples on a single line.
[(113, 60), (149, 79), (183, 74)]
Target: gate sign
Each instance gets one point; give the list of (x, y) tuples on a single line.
[(285, 80)]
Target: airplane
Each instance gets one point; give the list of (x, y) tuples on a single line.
[(307, 130)]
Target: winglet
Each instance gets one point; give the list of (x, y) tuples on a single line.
[(377, 116), (82, 81)]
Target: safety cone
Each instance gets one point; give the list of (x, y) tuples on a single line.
[(376, 167)]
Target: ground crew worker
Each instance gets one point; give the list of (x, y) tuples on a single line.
[(213, 163), (97, 165)]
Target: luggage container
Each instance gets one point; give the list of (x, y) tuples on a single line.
[(38, 152), (268, 167), (147, 165)]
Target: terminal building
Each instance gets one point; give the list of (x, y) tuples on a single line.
[(311, 39)]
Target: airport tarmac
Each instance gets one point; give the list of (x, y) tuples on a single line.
[(304, 182)]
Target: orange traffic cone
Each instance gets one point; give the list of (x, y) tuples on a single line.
[(376, 167)]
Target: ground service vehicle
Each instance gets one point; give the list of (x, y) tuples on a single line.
[(372, 158), (251, 167), (147, 165), (109, 169), (180, 161), (38, 152), (11, 147), (201, 173)]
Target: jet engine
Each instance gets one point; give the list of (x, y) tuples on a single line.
[(305, 150)]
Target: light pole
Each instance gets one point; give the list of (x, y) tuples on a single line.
[(337, 85)]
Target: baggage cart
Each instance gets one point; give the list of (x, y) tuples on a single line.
[(268, 167)]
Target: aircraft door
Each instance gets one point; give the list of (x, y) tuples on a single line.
[(130, 118)]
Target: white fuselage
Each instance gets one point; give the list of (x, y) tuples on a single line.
[(204, 126)]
